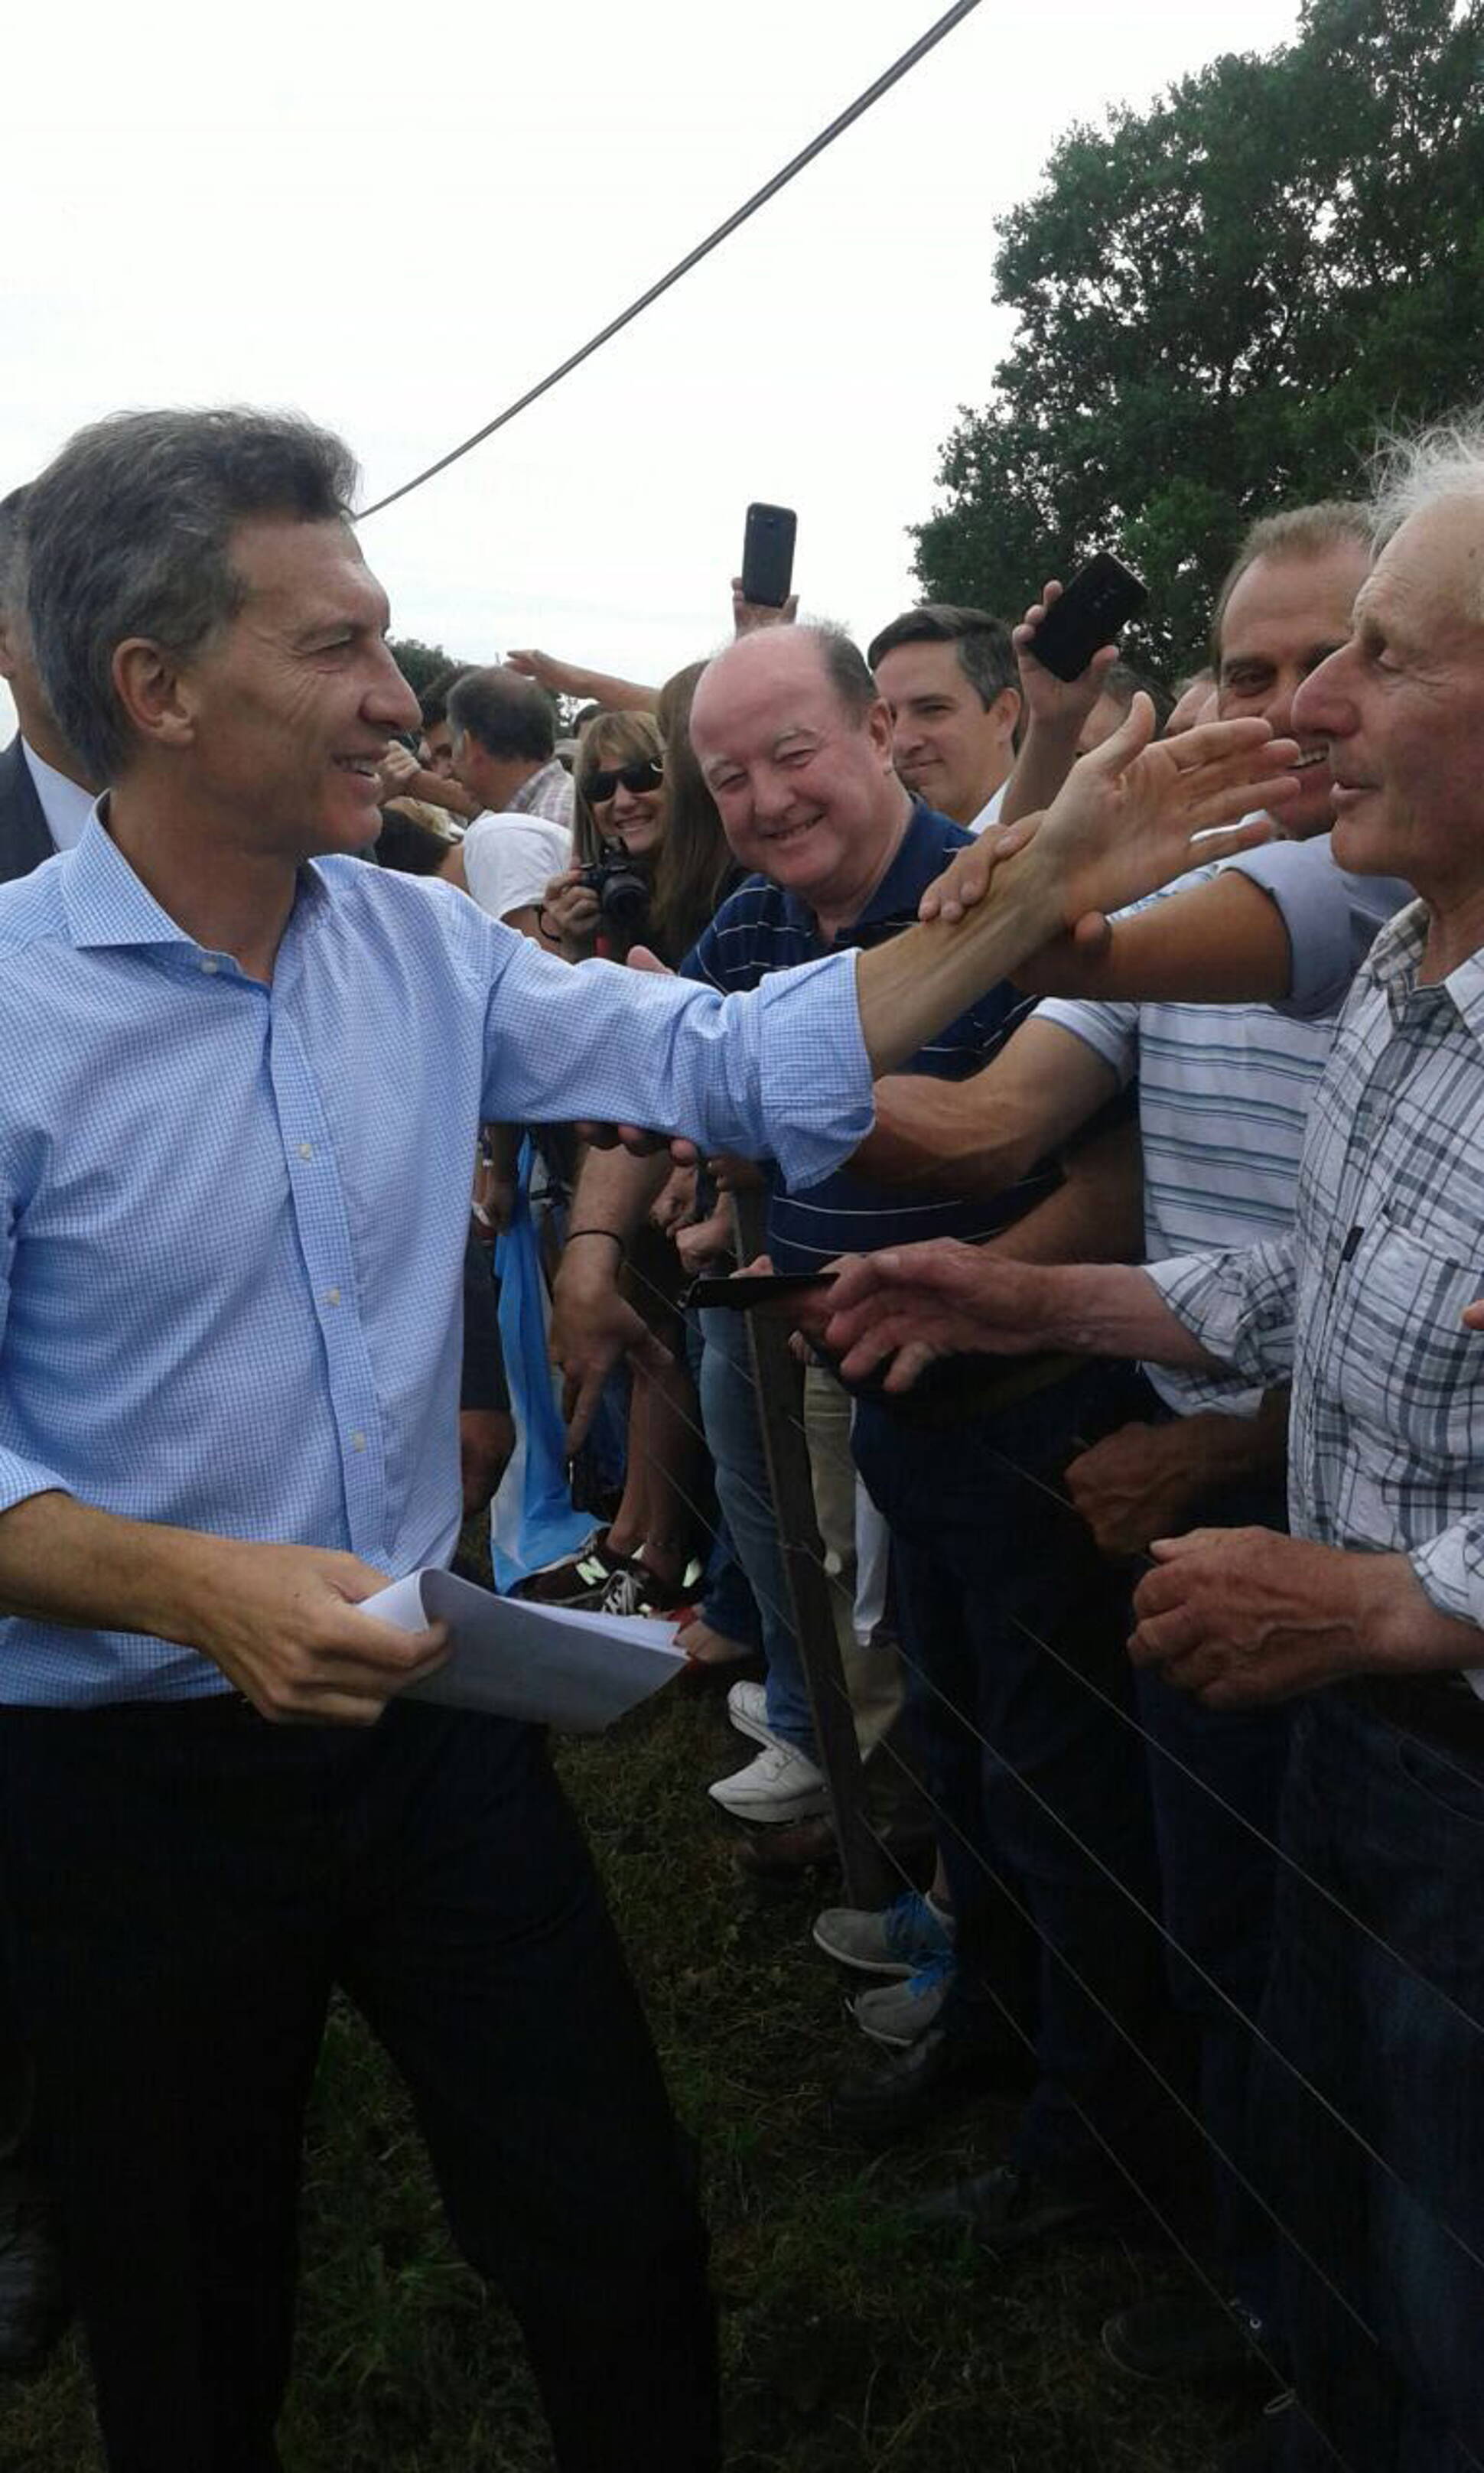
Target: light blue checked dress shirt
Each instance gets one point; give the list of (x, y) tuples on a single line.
[(233, 1217)]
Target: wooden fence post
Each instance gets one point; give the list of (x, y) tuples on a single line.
[(868, 1878)]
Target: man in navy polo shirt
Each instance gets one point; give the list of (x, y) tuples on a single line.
[(1036, 1776)]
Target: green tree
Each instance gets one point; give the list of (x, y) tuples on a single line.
[(1221, 302), (419, 664)]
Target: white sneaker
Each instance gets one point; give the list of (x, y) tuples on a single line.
[(747, 1706), (781, 1784)]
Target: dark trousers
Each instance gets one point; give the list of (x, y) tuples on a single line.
[(185, 1885), (1215, 1782), (1049, 1844), (1377, 2000)]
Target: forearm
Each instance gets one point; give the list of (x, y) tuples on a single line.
[(614, 1194), (600, 686), (1218, 1449), (1046, 757), (441, 791), (63, 1562), (1112, 1310), (1221, 943), (924, 1137), (909, 988), (1097, 1214), (1395, 1627)]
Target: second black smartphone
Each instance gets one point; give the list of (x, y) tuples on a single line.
[(756, 1288), (1096, 606), (768, 555)]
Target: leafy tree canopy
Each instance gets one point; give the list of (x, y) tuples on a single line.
[(1221, 302), (420, 665)]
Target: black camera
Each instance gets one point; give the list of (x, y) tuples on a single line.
[(622, 889)]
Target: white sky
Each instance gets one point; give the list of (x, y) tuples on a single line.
[(397, 218)]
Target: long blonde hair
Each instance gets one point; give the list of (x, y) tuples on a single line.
[(613, 738)]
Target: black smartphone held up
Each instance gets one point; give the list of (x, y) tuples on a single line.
[(1096, 606), (768, 555), (756, 1288)]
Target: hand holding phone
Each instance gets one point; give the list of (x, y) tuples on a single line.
[(1096, 606), (768, 555)]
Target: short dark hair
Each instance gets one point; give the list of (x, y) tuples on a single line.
[(985, 655), (433, 703), (508, 714), (128, 533), (11, 507)]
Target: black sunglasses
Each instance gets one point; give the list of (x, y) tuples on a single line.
[(644, 773)]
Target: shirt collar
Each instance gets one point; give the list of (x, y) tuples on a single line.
[(1396, 958), (524, 800), (64, 804), (106, 903), (920, 856)]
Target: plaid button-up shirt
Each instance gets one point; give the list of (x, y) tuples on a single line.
[(1362, 1299), (547, 793)]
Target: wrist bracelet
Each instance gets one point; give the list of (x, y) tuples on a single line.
[(611, 1234)]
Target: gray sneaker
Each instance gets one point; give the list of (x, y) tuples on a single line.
[(892, 1940), (896, 2014)]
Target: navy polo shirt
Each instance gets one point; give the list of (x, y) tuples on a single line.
[(761, 929)]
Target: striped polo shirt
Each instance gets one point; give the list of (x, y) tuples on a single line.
[(1224, 1090), (761, 929)]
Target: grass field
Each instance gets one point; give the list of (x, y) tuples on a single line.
[(850, 2346)]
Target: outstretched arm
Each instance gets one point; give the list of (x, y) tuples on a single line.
[(1121, 825), (908, 1305), (570, 678)]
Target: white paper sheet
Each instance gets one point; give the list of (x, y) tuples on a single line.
[(554, 1664)]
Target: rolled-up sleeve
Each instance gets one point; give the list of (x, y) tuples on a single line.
[(1240, 1305), (782, 1071), (1332, 918), (1450, 1570)]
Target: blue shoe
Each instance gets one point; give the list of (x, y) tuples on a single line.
[(896, 2014), (892, 1940)]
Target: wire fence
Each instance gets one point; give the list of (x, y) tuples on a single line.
[(823, 1667)]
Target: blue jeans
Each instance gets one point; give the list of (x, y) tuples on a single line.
[(728, 1412), (1054, 1799), (1394, 1830), (724, 1600)]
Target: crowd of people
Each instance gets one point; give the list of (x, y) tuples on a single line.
[(1114, 1053)]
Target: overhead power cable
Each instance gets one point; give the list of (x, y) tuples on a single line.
[(714, 240)]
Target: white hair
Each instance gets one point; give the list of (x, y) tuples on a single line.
[(1413, 473)]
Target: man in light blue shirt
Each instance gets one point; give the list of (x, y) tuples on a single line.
[(242, 1075)]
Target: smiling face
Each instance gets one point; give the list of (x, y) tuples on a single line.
[(635, 816), (1403, 709), (947, 747), (803, 785), (1286, 614), (290, 706)]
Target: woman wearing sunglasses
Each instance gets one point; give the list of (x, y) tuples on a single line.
[(599, 905)]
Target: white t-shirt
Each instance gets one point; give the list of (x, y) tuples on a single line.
[(510, 860)]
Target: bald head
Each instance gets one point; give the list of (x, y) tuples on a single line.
[(796, 747)]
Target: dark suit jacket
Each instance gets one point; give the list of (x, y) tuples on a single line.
[(24, 840)]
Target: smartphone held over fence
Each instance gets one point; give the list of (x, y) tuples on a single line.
[(756, 1289), (1096, 606), (768, 555)]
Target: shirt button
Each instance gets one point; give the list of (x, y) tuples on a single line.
[(332, 1296), (307, 1150), (210, 964), (358, 1441)]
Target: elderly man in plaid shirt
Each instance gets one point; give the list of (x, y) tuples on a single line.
[(1374, 1609)]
